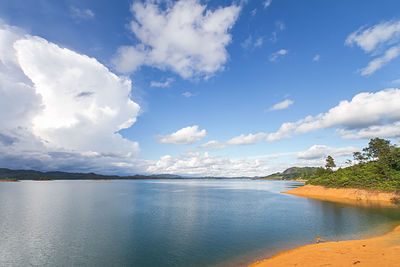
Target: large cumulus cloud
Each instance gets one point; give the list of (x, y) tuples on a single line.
[(55, 102)]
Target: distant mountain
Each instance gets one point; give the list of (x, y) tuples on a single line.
[(167, 176), (7, 174), (291, 174)]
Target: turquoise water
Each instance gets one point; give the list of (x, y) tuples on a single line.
[(168, 222)]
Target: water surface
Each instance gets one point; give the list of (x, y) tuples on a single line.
[(168, 222)]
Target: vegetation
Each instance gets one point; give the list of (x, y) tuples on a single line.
[(44, 179), (376, 167), (291, 174), (330, 163), (7, 179), (7, 174)]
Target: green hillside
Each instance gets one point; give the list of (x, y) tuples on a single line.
[(291, 174), (376, 167)]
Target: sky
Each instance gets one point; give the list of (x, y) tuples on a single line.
[(195, 88)]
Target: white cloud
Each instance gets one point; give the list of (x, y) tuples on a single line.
[(379, 62), (267, 3), (383, 131), (206, 165), (79, 95), (395, 82), (362, 114), (81, 13), (129, 58), (56, 103), (247, 139), (258, 42), (188, 94), (369, 39), (249, 43), (253, 12), (18, 100), (167, 83), (316, 58), (213, 144), (280, 53), (274, 37), (184, 136), (185, 38), (279, 26), (282, 105), (285, 131), (374, 40), (322, 151)]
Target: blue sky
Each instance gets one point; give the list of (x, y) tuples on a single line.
[(225, 88)]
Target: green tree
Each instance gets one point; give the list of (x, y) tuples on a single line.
[(358, 156), (330, 163), (394, 158), (378, 168), (378, 149)]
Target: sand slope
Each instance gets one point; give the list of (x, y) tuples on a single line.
[(346, 195)]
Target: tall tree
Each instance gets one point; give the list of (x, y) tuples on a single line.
[(378, 149), (330, 163), (394, 158), (361, 158)]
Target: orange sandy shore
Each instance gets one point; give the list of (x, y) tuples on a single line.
[(354, 196), (377, 251)]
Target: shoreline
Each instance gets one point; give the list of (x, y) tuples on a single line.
[(354, 196), (383, 250)]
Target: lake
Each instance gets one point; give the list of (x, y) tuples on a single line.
[(168, 222)]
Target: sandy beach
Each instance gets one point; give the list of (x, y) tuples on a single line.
[(347, 195), (376, 251)]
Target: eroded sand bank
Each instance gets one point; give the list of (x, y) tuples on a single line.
[(347, 195)]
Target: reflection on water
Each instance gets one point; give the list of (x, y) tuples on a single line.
[(168, 222)]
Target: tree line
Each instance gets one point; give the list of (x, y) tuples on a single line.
[(376, 166)]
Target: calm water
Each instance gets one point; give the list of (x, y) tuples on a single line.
[(167, 223)]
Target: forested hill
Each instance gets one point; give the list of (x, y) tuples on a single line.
[(7, 174), (375, 167), (291, 174)]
